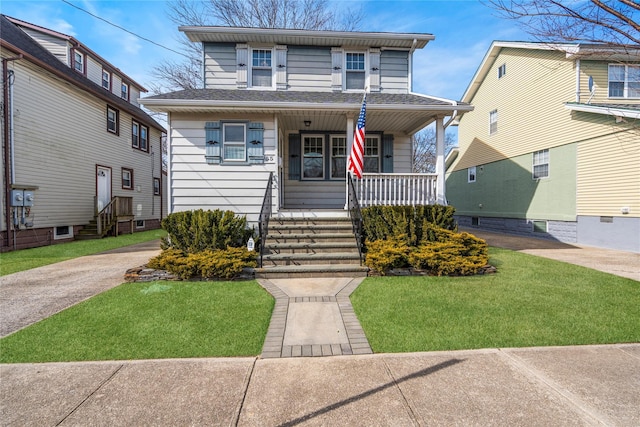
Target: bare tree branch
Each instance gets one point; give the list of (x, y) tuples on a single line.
[(424, 150), (608, 22)]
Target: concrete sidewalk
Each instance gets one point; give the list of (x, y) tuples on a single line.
[(584, 385)]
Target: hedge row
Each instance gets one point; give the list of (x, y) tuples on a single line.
[(416, 223)]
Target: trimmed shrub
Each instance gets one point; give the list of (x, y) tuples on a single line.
[(445, 253), (414, 222), (200, 230), (219, 263), (383, 255)]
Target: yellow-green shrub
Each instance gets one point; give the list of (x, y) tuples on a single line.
[(448, 253), (447, 259), (219, 263), (383, 255)]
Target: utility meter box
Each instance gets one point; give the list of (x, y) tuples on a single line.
[(28, 198), (17, 198)]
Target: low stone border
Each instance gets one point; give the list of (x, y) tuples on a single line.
[(145, 274)]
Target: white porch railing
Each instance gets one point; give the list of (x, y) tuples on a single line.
[(396, 189)]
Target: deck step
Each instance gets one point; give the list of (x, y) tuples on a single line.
[(311, 258), (311, 247)]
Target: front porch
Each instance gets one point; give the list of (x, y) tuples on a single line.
[(373, 189)]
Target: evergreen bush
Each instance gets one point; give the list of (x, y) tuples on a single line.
[(200, 230), (413, 222), (219, 263)]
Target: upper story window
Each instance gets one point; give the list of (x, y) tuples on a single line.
[(493, 122), (106, 80), (78, 61), (355, 70), (541, 164), (624, 81), (139, 136), (261, 69), (502, 71), (124, 91), (113, 117)]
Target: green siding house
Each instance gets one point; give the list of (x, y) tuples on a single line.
[(552, 146)]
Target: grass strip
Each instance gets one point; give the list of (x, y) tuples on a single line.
[(531, 301), (153, 320), (26, 259)]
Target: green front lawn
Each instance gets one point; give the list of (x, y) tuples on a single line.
[(25, 259), (150, 321), (531, 301)]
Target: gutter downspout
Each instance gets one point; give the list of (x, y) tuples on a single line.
[(413, 48), (7, 126), (578, 81)]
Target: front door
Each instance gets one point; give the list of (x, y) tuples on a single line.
[(103, 186)]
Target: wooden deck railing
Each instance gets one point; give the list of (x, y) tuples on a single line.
[(118, 209), (396, 189)]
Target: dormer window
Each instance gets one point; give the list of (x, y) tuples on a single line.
[(355, 70), (78, 62), (261, 69), (106, 80), (124, 91)]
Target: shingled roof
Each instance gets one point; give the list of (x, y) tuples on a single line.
[(14, 39), (292, 97)]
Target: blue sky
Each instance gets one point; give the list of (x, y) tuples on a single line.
[(464, 29)]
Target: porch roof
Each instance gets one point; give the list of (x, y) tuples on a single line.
[(326, 110)]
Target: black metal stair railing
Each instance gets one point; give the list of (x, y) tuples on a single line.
[(356, 215), (265, 215)]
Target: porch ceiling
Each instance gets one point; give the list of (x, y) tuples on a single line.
[(400, 113)]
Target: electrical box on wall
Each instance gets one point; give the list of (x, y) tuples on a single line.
[(17, 198), (22, 198)]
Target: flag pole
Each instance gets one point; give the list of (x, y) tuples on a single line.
[(355, 158)]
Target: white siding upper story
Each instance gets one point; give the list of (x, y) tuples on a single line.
[(61, 47), (305, 68)]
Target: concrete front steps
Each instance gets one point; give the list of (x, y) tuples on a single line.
[(311, 246)]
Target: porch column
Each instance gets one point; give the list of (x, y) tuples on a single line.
[(350, 119), (440, 192)]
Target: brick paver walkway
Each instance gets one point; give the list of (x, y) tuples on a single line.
[(275, 347)]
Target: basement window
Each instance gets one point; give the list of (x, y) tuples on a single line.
[(62, 232), (539, 226), (140, 223)]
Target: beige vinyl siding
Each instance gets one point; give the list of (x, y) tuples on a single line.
[(599, 70), (198, 185), (309, 68), (60, 137), (530, 100), (394, 71), (57, 46), (220, 65), (607, 172), (94, 70)]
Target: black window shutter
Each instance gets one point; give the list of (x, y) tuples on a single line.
[(387, 153), (294, 156)]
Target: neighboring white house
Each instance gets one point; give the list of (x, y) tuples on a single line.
[(75, 142), (285, 102)]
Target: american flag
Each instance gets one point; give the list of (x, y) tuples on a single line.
[(356, 158)]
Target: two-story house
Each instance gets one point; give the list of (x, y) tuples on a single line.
[(284, 103), (552, 147), (75, 142)]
